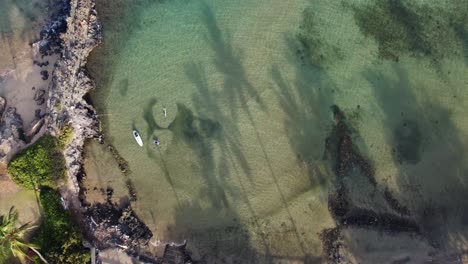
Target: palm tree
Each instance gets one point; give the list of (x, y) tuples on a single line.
[(11, 238)]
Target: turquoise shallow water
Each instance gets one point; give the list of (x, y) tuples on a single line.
[(241, 170)]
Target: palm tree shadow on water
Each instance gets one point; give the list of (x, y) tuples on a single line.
[(120, 20), (238, 90), (214, 233), (427, 145), (306, 102), (228, 62)]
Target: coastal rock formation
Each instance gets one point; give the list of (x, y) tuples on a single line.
[(107, 224), (11, 127), (383, 217), (50, 41), (69, 84)]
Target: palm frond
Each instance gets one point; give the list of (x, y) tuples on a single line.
[(11, 238)]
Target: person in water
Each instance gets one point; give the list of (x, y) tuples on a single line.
[(156, 142)]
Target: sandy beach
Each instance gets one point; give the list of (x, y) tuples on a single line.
[(19, 86), (20, 80)]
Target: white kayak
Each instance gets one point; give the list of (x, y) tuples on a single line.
[(137, 137)]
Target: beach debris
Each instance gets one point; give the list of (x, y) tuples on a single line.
[(34, 128)]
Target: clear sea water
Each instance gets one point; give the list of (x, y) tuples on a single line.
[(240, 171)]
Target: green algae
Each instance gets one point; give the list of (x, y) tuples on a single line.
[(317, 49), (414, 29)]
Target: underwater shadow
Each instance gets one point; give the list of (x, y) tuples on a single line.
[(228, 61), (148, 116), (207, 101), (198, 133), (430, 154), (120, 19), (240, 91), (305, 101), (217, 237)]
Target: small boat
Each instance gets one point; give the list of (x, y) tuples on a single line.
[(137, 137)]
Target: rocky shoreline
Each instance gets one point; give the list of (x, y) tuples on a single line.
[(74, 33), (70, 83)]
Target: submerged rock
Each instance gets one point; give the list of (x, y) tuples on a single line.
[(115, 227)]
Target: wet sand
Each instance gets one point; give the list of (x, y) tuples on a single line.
[(20, 23), (18, 86)]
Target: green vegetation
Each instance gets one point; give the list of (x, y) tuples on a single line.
[(58, 237), (65, 135), (41, 164), (11, 238)]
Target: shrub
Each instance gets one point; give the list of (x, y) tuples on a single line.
[(41, 164), (59, 239), (65, 135)]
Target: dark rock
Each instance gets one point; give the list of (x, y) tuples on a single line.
[(113, 226), (346, 161), (395, 204), (50, 34), (176, 254), (45, 75), (40, 101), (331, 244), (39, 94)]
